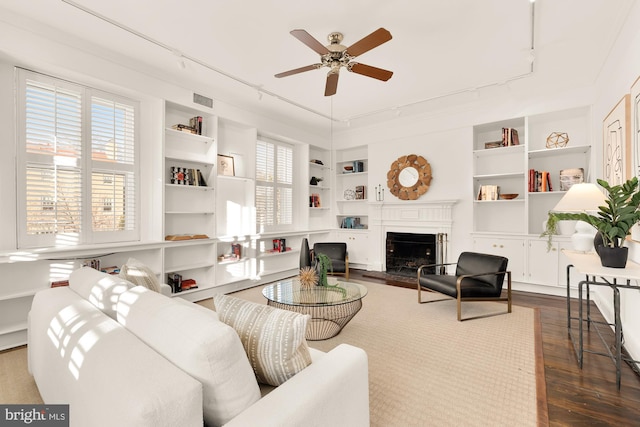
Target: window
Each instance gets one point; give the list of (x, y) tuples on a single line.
[(274, 185), (77, 154)]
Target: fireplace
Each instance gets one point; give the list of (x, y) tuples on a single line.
[(407, 251)]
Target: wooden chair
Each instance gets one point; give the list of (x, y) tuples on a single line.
[(478, 277)]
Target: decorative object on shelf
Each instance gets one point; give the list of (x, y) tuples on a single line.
[(351, 222), (347, 169), (317, 162), (308, 277), (379, 193), (616, 150), (557, 139), (409, 177), (323, 264), (174, 237), (616, 215), (305, 254), (508, 196), (488, 192), (569, 177), (361, 192), (349, 194), (315, 181), (225, 165), (493, 144)]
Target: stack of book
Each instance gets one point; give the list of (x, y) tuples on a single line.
[(314, 201), (539, 181), (510, 137), (187, 176), (194, 126)]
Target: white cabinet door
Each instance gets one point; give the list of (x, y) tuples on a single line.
[(357, 245), (513, 249), (543, 263)]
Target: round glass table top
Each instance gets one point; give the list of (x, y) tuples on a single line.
[(290, 292)]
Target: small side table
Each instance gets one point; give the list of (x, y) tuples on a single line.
[(589, 265)]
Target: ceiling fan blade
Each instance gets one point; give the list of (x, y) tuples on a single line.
[(374, 39), (332, 83), (369, 71), (310, 41), (299, 70)]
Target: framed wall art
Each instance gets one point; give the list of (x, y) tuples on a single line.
[(635, 141), (225, 165), (616, 148)]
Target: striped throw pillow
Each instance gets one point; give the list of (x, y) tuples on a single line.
[(273, 339)]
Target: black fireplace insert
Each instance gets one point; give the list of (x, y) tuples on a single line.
[(408, 251)]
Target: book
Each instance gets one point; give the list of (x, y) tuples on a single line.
[(201, 180), (59, 283)]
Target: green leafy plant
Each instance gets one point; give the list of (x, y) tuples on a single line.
[(613, 220), (323, 264)]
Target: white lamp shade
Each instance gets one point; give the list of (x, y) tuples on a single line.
[(582, 197)]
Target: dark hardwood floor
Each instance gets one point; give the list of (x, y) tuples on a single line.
[(575, 397)]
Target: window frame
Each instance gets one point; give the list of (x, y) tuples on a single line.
[(275, 185), (85, 164)]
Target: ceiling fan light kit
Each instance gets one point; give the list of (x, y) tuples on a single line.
[(335, 56)]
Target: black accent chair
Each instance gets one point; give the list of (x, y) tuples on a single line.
[(478, 277), (337, 253)]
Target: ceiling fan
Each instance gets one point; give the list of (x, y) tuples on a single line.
[(335, 56)]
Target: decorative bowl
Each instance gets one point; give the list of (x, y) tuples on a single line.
[(348, 168), (509, 196)]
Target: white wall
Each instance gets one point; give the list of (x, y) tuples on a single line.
[(450, 168), (620, 71)]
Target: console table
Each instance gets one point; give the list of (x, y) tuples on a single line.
[(595, 274)]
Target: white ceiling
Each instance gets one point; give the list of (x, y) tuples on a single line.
[(439, 47)]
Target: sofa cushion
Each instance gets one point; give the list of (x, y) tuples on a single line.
[(195, 341), (274, 339), (107, 376), (100, 289), (139, 274)]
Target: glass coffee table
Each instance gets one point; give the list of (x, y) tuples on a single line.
[(330, 307)]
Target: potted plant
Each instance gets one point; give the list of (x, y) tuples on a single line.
[(323, 264), (613, 221)]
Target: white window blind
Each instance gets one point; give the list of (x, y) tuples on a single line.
[(274, 185), (113, 165), (66, 196)]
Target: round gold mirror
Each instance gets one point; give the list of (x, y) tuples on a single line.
[(409, 177)]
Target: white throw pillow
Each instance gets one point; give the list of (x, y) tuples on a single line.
[(194, 340), (139, 274), (100, 289), (273, 339)]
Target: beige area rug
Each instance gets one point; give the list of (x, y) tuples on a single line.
[(428, 369), (16, 383)]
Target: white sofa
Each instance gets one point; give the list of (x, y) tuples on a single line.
[(123, 355)]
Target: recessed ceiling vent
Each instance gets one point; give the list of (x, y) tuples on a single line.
[(202, 100)]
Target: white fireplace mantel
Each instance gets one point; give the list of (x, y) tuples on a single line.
[(429, 217), (436, 214)]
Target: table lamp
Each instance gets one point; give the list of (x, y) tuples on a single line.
[(582, 198)]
